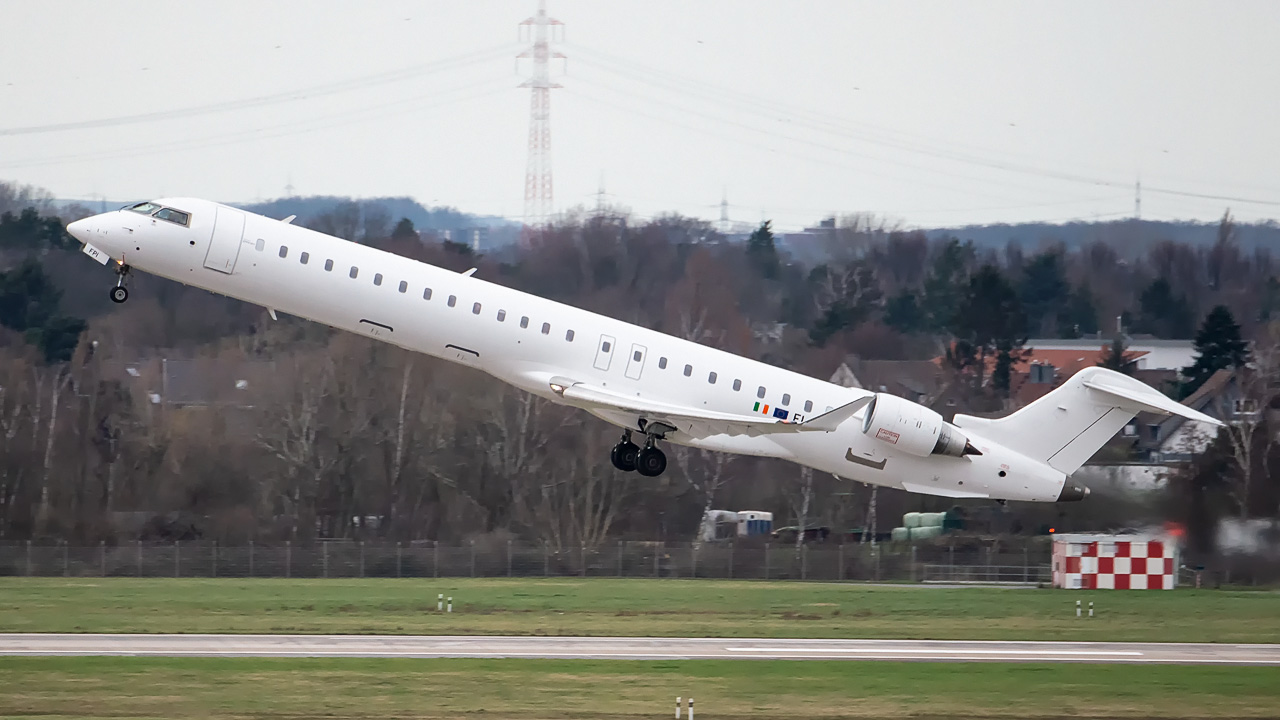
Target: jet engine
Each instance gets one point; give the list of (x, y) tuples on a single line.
[(913, 428)]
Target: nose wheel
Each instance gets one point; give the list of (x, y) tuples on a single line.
[(120, 293)]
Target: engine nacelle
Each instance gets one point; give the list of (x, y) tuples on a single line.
[(913, 428)]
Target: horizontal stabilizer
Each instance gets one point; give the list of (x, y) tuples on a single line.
[(1149, 399)]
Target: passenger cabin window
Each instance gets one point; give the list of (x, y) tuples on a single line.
[(568, 335), (546, 328), (760, 392), (377, 279), (786, 399), (637, 355), (174, 216), (304, 257), (502, 316), (688, 370), (453, 300), (606, 346), (260, 245), (284, 252), (808, 406), (328, 265), (146, 208), (737, 385), (426, 294), (354, 272), (524, 321), (475, 309), (711, 378), (404, 286)]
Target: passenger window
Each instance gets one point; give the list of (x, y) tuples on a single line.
[(304, 257), (606, 346), (546, 328), (662, 363), (328, 265), (284, 252), (426, 294), (711, 378), (174, 216), (737, 385), (636, 356), (524, 321), (502, 316), (260, 245), (568, 335), (475, 309), (453, 300), (404, 286), (786, 399), (808, 406), (377, 279), (688, 370), (354, 272), (760, 392)]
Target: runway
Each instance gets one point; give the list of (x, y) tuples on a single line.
[(407, 646)]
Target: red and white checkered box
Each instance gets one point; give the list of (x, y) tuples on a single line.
[(1114, 562)]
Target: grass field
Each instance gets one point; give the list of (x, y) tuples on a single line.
[(497, 689), (600, 607)]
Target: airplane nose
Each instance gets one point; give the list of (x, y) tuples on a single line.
[(79, 230)]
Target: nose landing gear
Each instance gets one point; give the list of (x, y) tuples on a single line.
[(120, 293)]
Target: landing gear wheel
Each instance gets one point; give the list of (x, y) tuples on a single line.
[(624, 456), (119, 294), (651, 462)]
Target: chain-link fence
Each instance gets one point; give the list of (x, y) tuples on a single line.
[(764, 561)]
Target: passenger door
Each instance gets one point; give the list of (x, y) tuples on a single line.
[(224, 246), (604, 352), (635, 361)]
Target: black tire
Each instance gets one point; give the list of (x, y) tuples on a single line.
[(651, 462), (624, 456), (119, 294)]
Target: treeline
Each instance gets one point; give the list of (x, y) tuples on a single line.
[(299, 432)]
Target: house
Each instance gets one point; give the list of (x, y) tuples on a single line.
[(1162, 439), (921, 381), (1149, 353)]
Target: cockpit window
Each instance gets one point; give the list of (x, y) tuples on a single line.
[(174, 216), (146, 208)]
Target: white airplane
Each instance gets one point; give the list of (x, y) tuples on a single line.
[(654, 386)]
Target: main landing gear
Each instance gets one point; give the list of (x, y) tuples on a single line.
[(627, 456), (120, 293)]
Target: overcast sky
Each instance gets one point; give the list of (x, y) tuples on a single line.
[(931, 113)]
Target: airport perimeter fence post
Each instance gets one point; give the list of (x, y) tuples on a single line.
[(1026, 567), (693, 560), (582, 559), (473, 558), (731, 544), (288, 558), (840, 562), (102, 557), (139, 558), (177, 559), (362, 558), (28, 558), (324, 555), (619, 558), (875, 550), (804, 561), (951, 553), (988, 549), (214, 561), (250, 558), (546, 560), (508, 558), (398, 559), (766, 561), (657, 555), (66, 562), (435, 558)]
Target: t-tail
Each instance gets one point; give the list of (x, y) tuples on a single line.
[(1066, 427)]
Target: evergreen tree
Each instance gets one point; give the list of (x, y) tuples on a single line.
[(1080, 317), (1044, 292), (1162, 313), (404, 230), (944, 286), (902, 313), (29, 305), (990, 322), (1218, 346), (761, 252), (1115, 357)]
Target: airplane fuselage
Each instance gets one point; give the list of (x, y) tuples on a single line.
[(530, 342)]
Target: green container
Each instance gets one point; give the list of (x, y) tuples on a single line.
[(911, 520), (932, 519), (901, 534), (926, 533)]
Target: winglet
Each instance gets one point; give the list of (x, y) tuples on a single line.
[(1149, 399), (830, 420)]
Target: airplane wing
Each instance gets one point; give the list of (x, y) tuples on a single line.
[(697, 422)]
